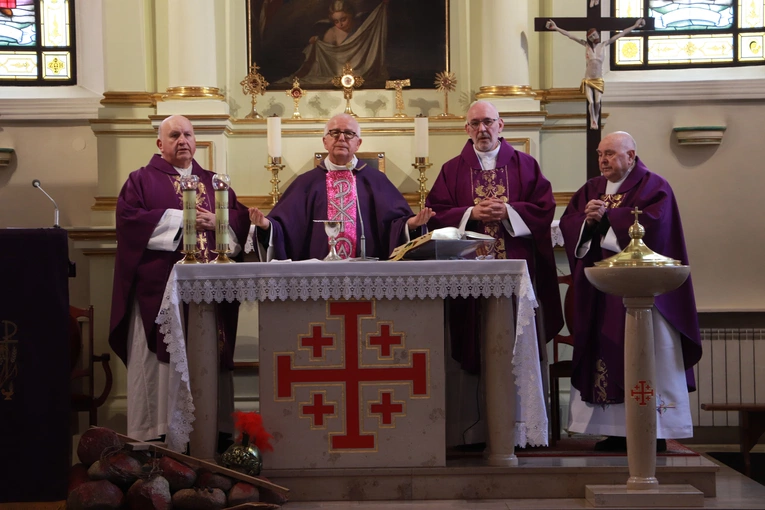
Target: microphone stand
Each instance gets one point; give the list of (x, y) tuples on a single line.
[(36, 184)]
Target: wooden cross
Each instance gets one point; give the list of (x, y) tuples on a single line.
[(398, 85), (348, 81), (596, 21)]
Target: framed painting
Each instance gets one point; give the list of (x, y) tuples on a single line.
[(381, 39)]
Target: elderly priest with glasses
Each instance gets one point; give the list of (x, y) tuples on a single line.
[(493, 189), (340, 188)]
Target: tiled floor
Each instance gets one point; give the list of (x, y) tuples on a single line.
[(733, 491)]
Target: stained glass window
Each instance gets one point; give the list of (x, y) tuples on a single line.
[(691, 33), (37, 43)]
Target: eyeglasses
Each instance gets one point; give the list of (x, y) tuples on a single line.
[(487, 123), (335, 133)]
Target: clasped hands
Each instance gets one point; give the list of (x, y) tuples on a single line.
[(594, 211), (491, 209), (205, 219)]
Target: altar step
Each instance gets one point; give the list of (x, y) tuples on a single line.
[(470, 478)]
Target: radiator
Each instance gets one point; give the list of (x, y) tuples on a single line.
[(731, 370)]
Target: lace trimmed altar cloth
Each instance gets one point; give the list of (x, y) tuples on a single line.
[(318, 280)]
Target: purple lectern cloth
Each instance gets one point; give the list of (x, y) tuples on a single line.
[(600, 318), (530, 195), (35, 397), (384, 212), (143, 273)]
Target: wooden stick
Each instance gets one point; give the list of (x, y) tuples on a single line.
[(245, 506), (133, 444)]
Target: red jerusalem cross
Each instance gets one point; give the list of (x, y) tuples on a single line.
[(642, 392), (352, 375), (317, 342), (387, 409), (385, 339), (318, 409)]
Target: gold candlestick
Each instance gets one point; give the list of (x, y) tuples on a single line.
[(422, 164), (274, 166), (253, 84), (189, 185), (446, 82), (296, 93), (348, 81), (221, 184), (398, 85)]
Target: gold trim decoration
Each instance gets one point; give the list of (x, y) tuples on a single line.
[(130, 98), (104, 204), (193, 93), (560, 95), (492, 91), (562, 198)]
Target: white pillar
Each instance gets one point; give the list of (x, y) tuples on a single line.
[(192, 60)]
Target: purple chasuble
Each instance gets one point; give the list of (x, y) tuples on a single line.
[(518, 181), (384, 212), (141, 273), (598, 361)]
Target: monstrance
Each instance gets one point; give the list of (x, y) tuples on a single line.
[(348, 81), (446, 82), (296, 93), (253, 84)]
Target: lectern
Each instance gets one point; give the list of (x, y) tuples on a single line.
[(34, 365)]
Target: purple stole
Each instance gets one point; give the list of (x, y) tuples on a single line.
[(491, 184), (341, 206), (204, 238)]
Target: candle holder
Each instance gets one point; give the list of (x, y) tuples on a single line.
[(221, 183), (422, 164), (274, 166), (189, 184)]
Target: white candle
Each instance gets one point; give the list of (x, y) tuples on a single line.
[(420, 137), (189, 186), (221, 219), (274, 131), (189, 220)]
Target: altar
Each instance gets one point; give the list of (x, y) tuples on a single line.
[(351, 358)]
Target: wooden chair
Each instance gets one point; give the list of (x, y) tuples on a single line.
[(561, 368), (373, 159), (87, 400)]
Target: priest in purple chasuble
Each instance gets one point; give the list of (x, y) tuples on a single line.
[(595, 226), (149, 224), (340, 188), (493, 189)]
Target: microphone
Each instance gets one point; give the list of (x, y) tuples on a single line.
[(363, 240), (36, 184)]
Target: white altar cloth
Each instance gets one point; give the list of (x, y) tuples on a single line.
[(318, 280)]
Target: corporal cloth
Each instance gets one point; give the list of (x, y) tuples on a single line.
[(598, 360), (382, 208)]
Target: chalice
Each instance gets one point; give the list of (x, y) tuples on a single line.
[(333, 229)]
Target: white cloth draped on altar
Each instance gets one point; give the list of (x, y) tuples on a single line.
[(317, 280)]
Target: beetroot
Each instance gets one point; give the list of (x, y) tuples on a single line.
[(179, 475), (151, 494)]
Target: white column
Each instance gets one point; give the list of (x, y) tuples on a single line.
[(504, 59), (192, 45)]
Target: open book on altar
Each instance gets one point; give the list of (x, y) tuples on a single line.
[(444, 244)]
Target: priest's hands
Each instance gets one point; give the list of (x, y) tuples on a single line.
[(594, 211), (491, 209), (205, 219), (420, 219), (258, 219)]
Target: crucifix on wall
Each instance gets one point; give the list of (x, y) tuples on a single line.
[(595, 49)]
